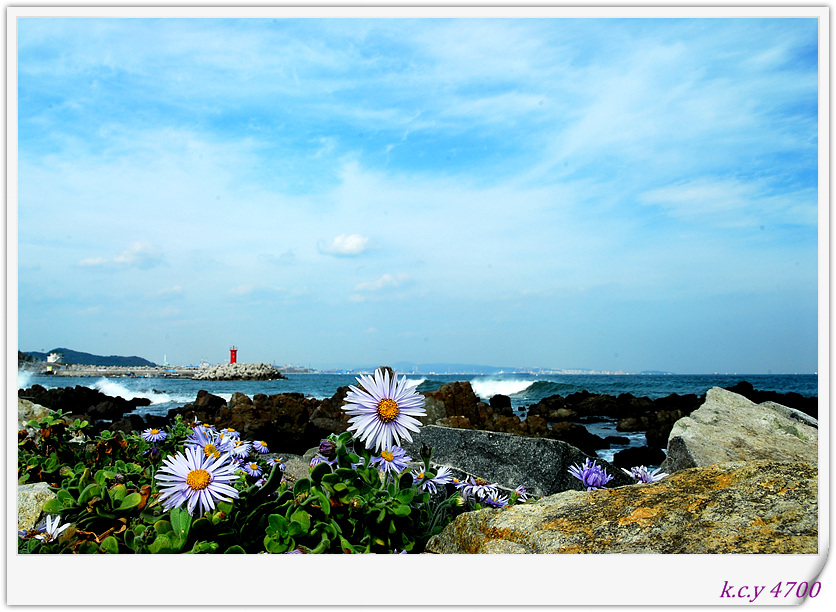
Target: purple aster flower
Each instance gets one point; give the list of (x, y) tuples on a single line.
[(230, 433), (51, 529), (240, 449), (196, 479), (261, 447), (640, 474), (442, 477), (392, 460), (384, 411), (253, 469), (495, 500), (320, 459), (154, 435), (476, 488), (208, 441), (522, 494), (590, 474)]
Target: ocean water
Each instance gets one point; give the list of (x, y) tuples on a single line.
[(523, 390)]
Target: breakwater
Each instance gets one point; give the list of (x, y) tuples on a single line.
[(89, 371)]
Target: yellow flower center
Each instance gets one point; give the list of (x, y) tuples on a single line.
[(198, 479), (253, 466), (154, 432), (387, 455), (387, 410), (210, 451), (264, 444), (479, 481), (230, 430)]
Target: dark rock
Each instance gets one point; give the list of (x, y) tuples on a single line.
[(611, 440), (539, 464), (290, 421), (807, 405), (502, 404), (578, 436), (206, 400), (106, 410), (132, 422), (635, 456), (82, 400)]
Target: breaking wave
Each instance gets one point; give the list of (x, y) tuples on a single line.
[(115, 389), (486, 388)]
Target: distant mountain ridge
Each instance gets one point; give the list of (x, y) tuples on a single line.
[(81, 358)]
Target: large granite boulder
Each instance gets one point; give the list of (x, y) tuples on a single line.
[(30, 501), (539, 464), (738, 507), (729, 427)]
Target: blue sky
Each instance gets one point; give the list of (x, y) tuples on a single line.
[(605, 193)]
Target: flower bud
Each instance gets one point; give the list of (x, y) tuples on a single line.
[(426, 451), (327, 449)]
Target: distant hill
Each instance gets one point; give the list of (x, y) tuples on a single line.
[(77, 357)]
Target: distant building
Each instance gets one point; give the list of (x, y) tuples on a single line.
[(54, 358)]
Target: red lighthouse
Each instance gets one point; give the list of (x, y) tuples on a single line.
[(233, 355)]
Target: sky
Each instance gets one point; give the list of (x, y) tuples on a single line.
[(606, 194)]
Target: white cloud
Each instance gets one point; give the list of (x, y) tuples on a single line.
[(139, 255), (93, 261), (384, 282), (345, 245)]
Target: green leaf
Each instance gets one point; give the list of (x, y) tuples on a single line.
[(160, 545), (131, 501), (181, 521), (53, 506), (235, 550), (303, 485), (303, 518), (318, 471), (401, 510), (405, 495), (162, 527), (277, 522), (65, 497), (110, 545), (90, 491), (405, 481), (117, 493)]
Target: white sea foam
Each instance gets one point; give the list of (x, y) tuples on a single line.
[(414, 383), (24, 379), (115, 389), (486, 388)]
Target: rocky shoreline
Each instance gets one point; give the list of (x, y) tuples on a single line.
[(743, 475)]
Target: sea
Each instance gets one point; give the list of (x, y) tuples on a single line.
[(523, 389)]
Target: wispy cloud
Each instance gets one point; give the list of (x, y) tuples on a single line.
[(345, 245), (139, 255)]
